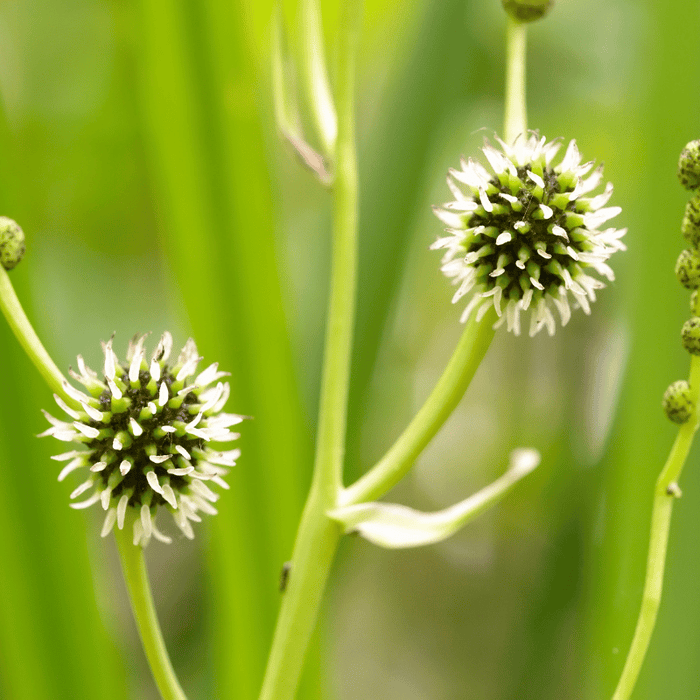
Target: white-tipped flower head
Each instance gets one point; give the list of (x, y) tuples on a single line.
[(525, 236), (145, 432)]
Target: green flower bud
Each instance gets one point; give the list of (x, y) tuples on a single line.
[(690, 228), (690, 335), (11, 243), (527, 10), (689, 166), (694, 302), (688, 269), (676, 402)]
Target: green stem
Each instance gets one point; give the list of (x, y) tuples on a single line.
[(136, 577), (665, 493), (318, 536), (22, 328), (449, 390), (515, 109)]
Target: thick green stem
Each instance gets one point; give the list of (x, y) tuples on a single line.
[(449, 390), (318, 536), (515, 109), (317, 541), (665, 493), (136, 577), (22, 328)]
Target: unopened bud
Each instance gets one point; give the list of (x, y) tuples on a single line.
[(690, 228), (527, 10), (11, 243), (677, 404), (688, 269), (690, 335), (689, 166)]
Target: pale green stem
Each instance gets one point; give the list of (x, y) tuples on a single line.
[(315, 75), (318, 536), (665, 493), (515, 110), (136, 577), (22, 328), (454, 381)]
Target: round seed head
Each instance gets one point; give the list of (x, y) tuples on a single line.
[(12, 247), (690, 335), (525, 237), (527, 10), (689, 166), (677, 404), (688, 269)]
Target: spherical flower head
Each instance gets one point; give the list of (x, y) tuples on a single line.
[(526, 236), (145, 432)]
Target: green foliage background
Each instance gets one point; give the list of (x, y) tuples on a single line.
[(140, 157)]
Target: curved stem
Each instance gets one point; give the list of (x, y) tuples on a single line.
[(665, 493), (24, 332), (449, 390), (136, 577), (515, 109), (318, 536)]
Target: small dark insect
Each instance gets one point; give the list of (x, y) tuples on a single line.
[(284, 575)]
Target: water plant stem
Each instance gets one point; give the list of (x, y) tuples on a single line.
[(318, 536), (27, 337), (395, 464), (136, 577), (665, 493), (515, 104)]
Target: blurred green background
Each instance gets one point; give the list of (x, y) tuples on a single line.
[(140, 156)]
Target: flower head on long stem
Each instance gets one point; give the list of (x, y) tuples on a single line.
[(145, 430), (525, 236)]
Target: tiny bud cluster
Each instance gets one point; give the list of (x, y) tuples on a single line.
[(678, 401), (145, 430)]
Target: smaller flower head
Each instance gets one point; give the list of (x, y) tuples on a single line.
[(526, 237), (145, 432)]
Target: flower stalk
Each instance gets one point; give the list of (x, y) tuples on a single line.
[(515, 103), (136, 578), (470, 351), (318, 536), (27, 337), (665, 493)]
